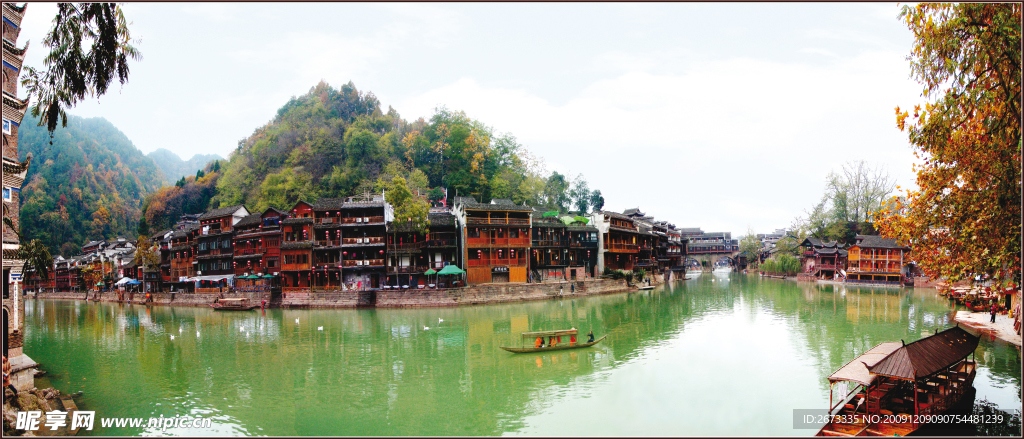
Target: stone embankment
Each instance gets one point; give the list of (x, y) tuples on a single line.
[(982, 321), (410, 298)]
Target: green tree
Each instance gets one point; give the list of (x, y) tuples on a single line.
[(580, 194), (750, 245), (408, 208), (556, 194), (36, 256), (72, 70), (596, 200)]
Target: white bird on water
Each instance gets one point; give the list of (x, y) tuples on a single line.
[(439, 320), (426, 328), (172, 337), (180, 330), (319, 328), (296, 320), (197, 334)]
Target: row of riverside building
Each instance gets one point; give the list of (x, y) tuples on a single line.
[(337, 244)]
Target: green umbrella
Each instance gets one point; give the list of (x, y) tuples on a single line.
[(451, 269), (582, 219), (550, 214), (100, 284), (268, 276), (429, 272), (566, 220)]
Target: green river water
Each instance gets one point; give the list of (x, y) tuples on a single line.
[(710, 356)]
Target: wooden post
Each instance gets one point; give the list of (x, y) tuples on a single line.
[(916, 408)]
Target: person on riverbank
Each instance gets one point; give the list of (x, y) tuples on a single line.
[(992, 310), (572, 288), (7, 382)]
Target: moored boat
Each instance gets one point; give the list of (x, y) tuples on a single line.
[(544, 341), (896, 385), (241, 304)]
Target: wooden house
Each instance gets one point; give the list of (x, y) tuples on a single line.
[(297, 247), (874, 259), (327, 248), (214, 250), (497, 239), (362, 230)]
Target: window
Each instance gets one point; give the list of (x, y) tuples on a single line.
[(474, 233), (271, 263), (289, 259), (514, 233), (7, 194)]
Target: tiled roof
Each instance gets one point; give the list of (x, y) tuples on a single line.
[(615, 215), (329, 204), (249, 221), (441, 219), (502, 204), (279, 212), (634, 211), (306, 220), (928, 355), (361, 204), (223, 211), (875, 241)]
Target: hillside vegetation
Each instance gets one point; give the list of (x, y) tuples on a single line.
[(89, 184), (339, 142)]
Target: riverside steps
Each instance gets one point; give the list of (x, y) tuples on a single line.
[(407, 298)]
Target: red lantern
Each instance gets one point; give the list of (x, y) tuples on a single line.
[(382, 252)]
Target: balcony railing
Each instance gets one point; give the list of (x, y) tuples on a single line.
[(582, 244), (621, 248), (442, 243), (360, 220), (549, 243), (407, 246), (328, 242), (363, 262), (248, 251), (518, 242), (367, 240), (501, 221), (483, 262), (407, 269)]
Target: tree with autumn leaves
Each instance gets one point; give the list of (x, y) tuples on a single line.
[(965, 218)]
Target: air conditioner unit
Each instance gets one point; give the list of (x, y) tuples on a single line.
[(359, 220), (366, 219)]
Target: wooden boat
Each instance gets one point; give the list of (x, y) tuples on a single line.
[(241, 304), (552, 341), (895, 381), (646, 288)]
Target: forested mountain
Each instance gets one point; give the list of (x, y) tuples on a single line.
[(174, 167), (88, 185), (335, 143), (189, 194)]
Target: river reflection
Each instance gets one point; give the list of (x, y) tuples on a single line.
[(710, 356)]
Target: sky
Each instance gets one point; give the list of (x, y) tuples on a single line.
[(723, 116)]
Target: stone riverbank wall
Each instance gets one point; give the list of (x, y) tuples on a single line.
[(172, 299), (472, 295)]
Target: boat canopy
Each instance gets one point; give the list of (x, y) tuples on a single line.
[(234, 300), (857, 369), (554, 333), (928, 355)]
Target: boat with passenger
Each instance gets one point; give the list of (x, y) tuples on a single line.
[(894, 386), (542, 341), (240, 304), (693, 269), (722, 267)]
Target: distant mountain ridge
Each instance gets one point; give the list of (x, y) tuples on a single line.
[(173, 167), (89, 184)]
